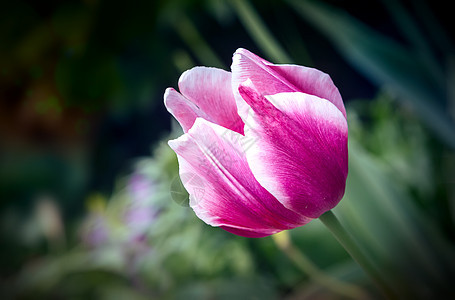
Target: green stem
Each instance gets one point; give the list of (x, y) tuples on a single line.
[(331, 221), (283, 241)]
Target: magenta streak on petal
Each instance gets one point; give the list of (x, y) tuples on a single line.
[(270, 115), (272, 79), (300, 155), (232, 198), (280, 80)]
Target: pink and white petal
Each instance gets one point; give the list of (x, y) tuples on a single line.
[(210, 90), (272, 79), (300, 155), (229, 196), (183, 110)]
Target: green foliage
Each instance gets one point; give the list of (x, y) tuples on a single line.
[(387, 63), (381, 205)]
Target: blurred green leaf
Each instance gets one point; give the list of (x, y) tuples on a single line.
[(259, 31), (191, 36), (407, 24), (402, 241), (385, 62)]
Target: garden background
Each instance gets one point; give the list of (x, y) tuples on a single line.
[(91, 204)]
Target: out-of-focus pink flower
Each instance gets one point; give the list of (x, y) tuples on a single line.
[(269, 141), (140, 213), (95, 231)]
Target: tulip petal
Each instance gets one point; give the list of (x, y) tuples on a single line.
[(207, 93), (226, 193), (183, 110), (271, 79), (300, 153), (249, 233)]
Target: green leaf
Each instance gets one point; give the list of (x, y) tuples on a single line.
[(385, 62), (400, 239)]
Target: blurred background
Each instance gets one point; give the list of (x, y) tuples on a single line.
[(90, 202)]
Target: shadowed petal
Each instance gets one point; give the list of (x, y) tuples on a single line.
[(230, 196), (250, 233), (300, 153), (272, 79)]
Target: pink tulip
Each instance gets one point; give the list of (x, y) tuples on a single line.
[(269, 142)]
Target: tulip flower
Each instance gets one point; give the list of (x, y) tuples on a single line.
[(269, 141)]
